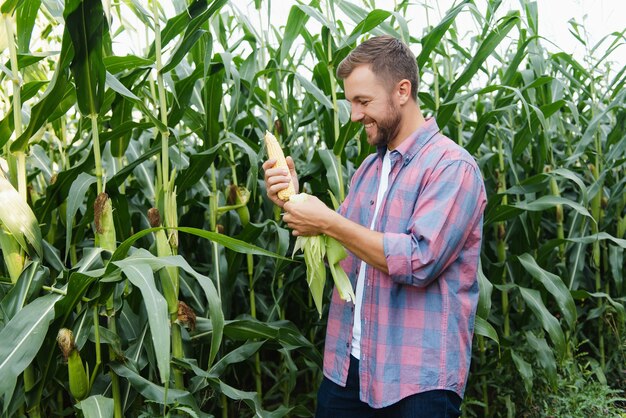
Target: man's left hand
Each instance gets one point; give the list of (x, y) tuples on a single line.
[(307, 218)]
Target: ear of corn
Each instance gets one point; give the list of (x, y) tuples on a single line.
[(18, 218), (13, 255), (103, 218), (276, 152), (79, 382)]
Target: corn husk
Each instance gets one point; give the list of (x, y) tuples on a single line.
[(19, 219), (79, 381), (316, 249), (103, 218)]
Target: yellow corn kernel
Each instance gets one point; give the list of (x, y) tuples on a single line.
[(275, 151)]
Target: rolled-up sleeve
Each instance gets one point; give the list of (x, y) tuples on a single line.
[(447, 210)]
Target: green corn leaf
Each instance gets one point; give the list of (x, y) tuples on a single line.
[(555, 286), (315, 91), (78, 285), (618, 306), (97, 406), (485, 49), (549, 202), (22, 338), (295, 22), (119, 88), (28, 285), (366, 21), (28, 90), (116, 64), (373, 19), (485, 289), (251, 399), (533, 299), (484, 328), (154, 392), (87, 26), (331, 164), (545, 355), (525, 370), (238, 355), (26, 15), (141, 276), (78, 190), (433, 38), (213, 95), (616, 261), (182, 50), (8, 6), (54, 96), (144, 258)]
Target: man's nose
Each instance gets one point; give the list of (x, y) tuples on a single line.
[(356, 113)]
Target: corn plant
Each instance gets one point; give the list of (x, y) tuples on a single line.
[(136, 234)]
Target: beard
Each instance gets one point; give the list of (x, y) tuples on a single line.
[(387, 128)]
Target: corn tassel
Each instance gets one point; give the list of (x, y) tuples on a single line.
[(274, 151), (79, 382)]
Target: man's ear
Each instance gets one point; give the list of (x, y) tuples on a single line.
[(404, 90)]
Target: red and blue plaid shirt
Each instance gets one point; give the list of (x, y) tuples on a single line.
[(417, 322)]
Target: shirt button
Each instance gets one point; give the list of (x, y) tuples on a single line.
[(347, 345), (371, 202)]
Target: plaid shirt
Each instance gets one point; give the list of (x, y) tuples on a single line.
[(417, 322)]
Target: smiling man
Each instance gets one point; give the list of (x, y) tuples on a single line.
[(412, 223)]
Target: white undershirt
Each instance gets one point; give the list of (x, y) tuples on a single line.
[(356, 328)]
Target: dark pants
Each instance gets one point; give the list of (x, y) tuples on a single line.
[(334, 401)]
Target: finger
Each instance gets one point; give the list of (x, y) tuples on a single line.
[(269, 164), (274, 189), (274, 180), (277, 173)]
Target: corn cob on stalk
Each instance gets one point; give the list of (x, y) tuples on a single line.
[(79, 382), (103, 217), (275, 151), (13, 255)]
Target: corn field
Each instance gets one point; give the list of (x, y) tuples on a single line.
[(135, 231)]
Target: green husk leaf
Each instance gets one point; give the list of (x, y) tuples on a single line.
[(316, 249)]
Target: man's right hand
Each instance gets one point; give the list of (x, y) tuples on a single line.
[(277, 179)]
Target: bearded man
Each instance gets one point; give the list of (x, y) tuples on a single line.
[(412, 225)]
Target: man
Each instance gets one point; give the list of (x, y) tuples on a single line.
[(412, 222)]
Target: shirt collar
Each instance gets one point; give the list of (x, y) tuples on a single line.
[(414, 142)]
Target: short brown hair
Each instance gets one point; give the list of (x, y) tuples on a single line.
[(390, 59)]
